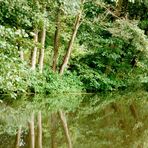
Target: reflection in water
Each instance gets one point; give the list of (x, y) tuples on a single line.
[(96, 120)]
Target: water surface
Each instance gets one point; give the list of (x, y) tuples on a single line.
[(112, 120)]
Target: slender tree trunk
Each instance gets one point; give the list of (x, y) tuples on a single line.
[(54, 66), (39, 130), (21, 55), (41, 55), (32, 132), (63, 66), (65, 126), (134, 111), (69, 50), (56, 41), (53, 130), (120, 110), (18, 138), (34, 53)]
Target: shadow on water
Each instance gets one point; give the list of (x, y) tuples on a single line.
[(113, 120)]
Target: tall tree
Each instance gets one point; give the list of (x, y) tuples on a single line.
[(70, 45), (56, 41), (34, 52), (63, 67), (54, 67), (41, 53), (21, 55)]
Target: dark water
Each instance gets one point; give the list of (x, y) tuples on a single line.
[(113, 120)]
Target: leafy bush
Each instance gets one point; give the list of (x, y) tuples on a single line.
[(115, 57), (13, 72), (62, 84), (14, 76)]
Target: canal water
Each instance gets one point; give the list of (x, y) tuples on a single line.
[(110, 120)]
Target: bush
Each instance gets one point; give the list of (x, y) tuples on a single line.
[(14, 76)]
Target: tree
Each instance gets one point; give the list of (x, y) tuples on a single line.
[(73, 36), (41, 55), (34, 51), (56, 40)]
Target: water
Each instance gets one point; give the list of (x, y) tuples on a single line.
[(112, 120)]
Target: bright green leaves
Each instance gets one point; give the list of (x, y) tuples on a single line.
[(22, 13), (12, 40), (14, 76), (114, 54), (130, 32), (15, 13), (13, 72), (104, 51), (135, 38), (67, 83), (70, 7)]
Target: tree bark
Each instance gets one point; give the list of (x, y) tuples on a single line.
[(63, 67), (53, 130), (18, 138), (41, 54), (39, 130), (69, 49), (21, 55), (54, 67), (134, 111), (32, 132), (34, 52), (56, 42), (65, 126)]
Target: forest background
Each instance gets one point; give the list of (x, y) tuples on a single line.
[(60, 46)]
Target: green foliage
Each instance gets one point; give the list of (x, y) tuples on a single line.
[(70, 7), (14, 72), (17, 77), (15, 13), (115, 54), (13, 40), (25, 14), (63, 84), (109, 53), (21, 80), (14, 76), (130, 33), (52, 83)]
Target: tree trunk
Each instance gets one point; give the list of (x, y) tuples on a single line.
[(134, 111), (69, 50), (41, 55), (54, 66), (34, 53), (39, 130), (56, 42), (53, 130), (32, 132), (63, 66), (21, 55), (18, 138), (65, 126)]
